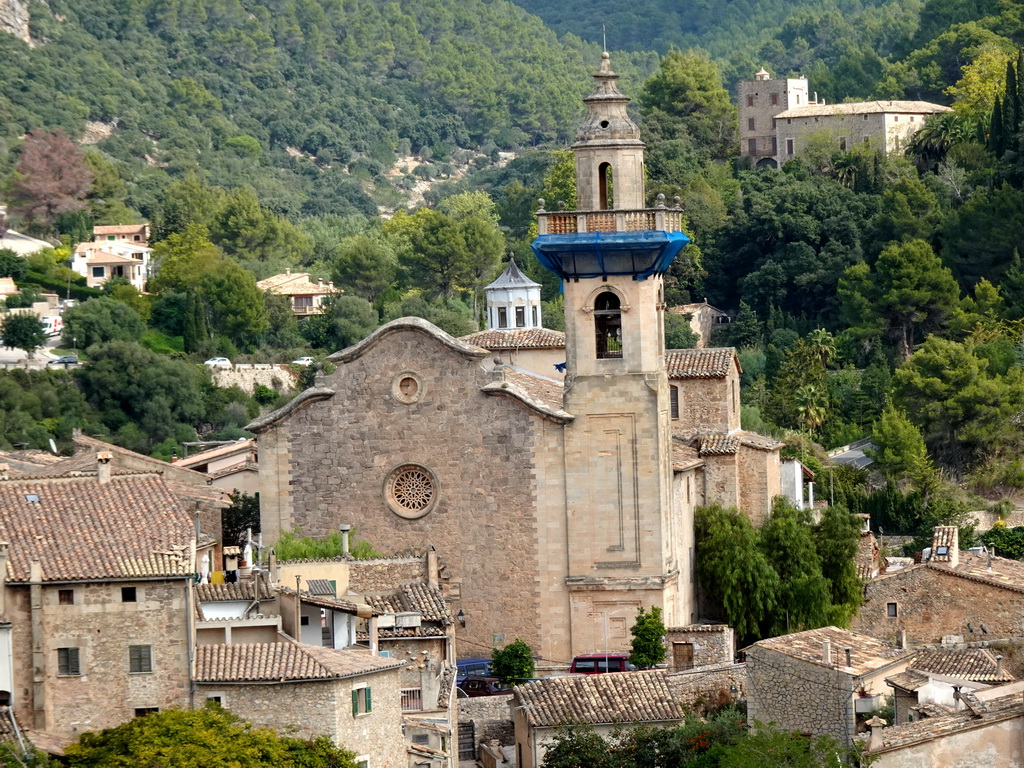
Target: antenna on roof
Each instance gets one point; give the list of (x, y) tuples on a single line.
[(604, 38)]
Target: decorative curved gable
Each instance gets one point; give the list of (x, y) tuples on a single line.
[(300, 401), (514, 392), (407, 324)]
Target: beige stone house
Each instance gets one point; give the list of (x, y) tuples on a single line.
[(821, 681), (778, 117), (605, 702), (121, 233), (97, 595), (954, 594), (306, 296), (233, 467), (703, 318), (351, 696), (102, 260)]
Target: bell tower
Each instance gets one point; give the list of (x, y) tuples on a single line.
[(624, 531)]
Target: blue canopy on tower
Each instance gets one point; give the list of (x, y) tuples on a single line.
[(603, 254)]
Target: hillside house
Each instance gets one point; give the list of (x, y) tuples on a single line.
[(100, 261), (703, 318), (306, 296), (135, 234)]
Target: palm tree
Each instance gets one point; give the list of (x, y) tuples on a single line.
[(810, 407)]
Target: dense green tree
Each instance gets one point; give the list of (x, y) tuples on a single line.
[(365, 266), (234, 302), (12, 265), (100, 320), (678, 333), (908, 293), (837, 541), (979, 239), (733, 568), (803, 600), (201, 737), (514, 663), (898, 449), (181, 259), (648, 643), (23, 331), (578, 746), (344, 321)]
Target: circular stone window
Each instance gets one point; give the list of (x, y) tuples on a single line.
[(407, 388), (410, 490)]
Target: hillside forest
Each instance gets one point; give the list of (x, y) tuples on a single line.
[(398, 150)]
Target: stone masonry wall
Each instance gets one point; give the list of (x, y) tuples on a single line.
[(281, 378), (102, 627), (709, 686), (931, 603), (703, 405), (760, 481), (304, 710), (491, 717), (713, 644), (799, 695), (340, 452), (375, 577)]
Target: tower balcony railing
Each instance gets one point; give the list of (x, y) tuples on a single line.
[(660, 217)]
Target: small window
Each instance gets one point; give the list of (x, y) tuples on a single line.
[(128, 594), (896, 118), (304, 621), (942, 550), (99, 271), (362, 702), (111, 237), (750, 99), (520, 317), (751, 146), (789, 121), (674, 401), (798, 98), (775, 146), (865, 117), (140, 658), (891, 610), (421, 738), (750, 123), (66, 596), (67, 662), (138, 238), (215, 699), (502, 317), (789, 146), (911, 118), (534, 315), (143, 711), (775, 99)]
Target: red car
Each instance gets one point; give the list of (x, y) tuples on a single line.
[(484, 686)]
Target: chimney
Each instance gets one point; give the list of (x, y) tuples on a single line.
[(5, 471), (999, 659), (432, 575), (344, 537), (876, 724), (847, 649), (957, 705), (901, 639), (103, 467), (826, 652)]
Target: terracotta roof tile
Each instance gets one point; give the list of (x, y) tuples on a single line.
[(908, 681), (517, 338), (977, 664), (238, 446), (939, 721), (755, 440), (717, 445), (714, 363), (80, 529), (239, 590), (546, 391), (619, 697), (684, 457), (324, 601), (866, 653), (282, 662), (864, 108)]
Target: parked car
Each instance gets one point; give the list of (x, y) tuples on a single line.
[(597, 663), (218, 362), (64, 360), (483, 686), (303, 361), (472, 668)]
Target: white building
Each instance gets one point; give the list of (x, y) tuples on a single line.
[(99, 261), (513, 301)]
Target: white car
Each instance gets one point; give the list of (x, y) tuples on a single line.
[(218, 362), (303, 361)]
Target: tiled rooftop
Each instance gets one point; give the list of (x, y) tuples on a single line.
[(295, 283), (414, 596), (196, 459), (80, 529), (548, 392), (866, 653), (621, 697), (864, 108), (282, 662), (713, 363), (324, 601), (684, 457), (239, 590), (717, 445), (968, 663), (517, 338)]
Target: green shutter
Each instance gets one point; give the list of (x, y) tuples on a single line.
[(369, 703), (355, 703)]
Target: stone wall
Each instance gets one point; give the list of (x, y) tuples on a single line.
[(101, 627), (932, 603), (491, 717), (711, 644), (799, 696), (710, 686), (280, 378), (705, 405), (760, 481), (330, 461), (376, 577)]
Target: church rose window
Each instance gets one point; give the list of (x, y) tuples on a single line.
[(411, 490), (407, 388)]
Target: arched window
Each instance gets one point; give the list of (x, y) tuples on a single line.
[(608, 325), (604, 186)]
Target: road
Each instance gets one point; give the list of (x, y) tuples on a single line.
[(10, 358)]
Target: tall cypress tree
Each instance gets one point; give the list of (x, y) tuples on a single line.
[(1011, 110), (995, 132), (189, 324)]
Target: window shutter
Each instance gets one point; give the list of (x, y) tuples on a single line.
[(73, 665), (355, 703), (369, 704)]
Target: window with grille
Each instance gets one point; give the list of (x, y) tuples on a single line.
[(412, 700), (750, 123), (67, 662), (140, 658)]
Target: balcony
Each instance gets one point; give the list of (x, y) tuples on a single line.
[(572, 222)]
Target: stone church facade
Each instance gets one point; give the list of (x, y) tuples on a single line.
[(556, 510)]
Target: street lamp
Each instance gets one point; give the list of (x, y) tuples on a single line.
[(74, 343)]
